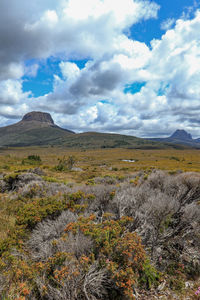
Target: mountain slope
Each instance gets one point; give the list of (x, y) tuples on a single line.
[(97, 140)]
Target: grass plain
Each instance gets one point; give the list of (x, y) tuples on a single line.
[(101, 162)]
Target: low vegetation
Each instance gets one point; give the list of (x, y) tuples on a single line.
[(65, 164), (106, 229)]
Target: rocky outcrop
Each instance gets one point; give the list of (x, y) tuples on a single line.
[(39, 117)]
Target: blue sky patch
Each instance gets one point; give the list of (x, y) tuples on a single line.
[(147, 30), (104, 101), (162, 90), (80, 63), (42, 83), (134, 87)]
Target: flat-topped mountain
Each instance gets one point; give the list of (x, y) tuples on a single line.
[(39, 117), (35, 128)]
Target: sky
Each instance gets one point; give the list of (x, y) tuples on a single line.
[(123, 66)]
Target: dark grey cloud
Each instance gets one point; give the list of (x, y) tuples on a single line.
[(97, 81), (65, 105), (129, 127), (16, 43)]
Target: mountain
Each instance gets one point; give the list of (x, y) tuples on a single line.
[(38, 117), (35, 128), (38, 129), (180, 137)]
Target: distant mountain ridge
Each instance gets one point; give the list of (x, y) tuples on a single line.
[(38, 129), (180, 136)]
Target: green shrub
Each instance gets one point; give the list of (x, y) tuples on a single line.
[(34, 212), (32, 160), (6, 167), (90, 182), (149, 276), (50, 179), (65, 164), (177, 276), (34, 157), (174, 158)]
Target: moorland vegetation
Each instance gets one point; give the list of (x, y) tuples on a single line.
[(87, 225)]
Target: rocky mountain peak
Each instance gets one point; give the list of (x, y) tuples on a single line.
[(38, 116), (181, 135)]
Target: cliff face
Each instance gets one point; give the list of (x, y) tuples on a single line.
[(38, 116)]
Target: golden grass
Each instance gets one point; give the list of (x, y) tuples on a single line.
[(101, 161), (7, 218)]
